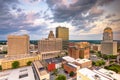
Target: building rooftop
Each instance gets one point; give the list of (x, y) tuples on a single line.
[(16, 57), (68, 59), (93, 75), (55, 60), (82, 60), (82, 44), (50, 52), (48, 39), (110, 73), (72, 65), (24, 73), (40, 69)]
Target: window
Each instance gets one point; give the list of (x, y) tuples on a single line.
[(23, 75)]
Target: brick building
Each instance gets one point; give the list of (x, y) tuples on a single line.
[(69, 67), (79, 50), (83, 63)]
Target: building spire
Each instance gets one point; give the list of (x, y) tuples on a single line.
[(51, 35)]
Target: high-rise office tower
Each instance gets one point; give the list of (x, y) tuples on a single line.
[(63, 32), (18, 44), (108, 46)]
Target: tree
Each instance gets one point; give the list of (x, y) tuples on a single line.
[(61, 77), (4, 52), (66, 53), (72, 73), (92, 51), (29, 63), (0, 67), (93, 63), (99, 54), (98, 63), (55, 72), (15, 64)]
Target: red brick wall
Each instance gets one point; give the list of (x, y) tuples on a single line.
[(69, 69), (51, 67)]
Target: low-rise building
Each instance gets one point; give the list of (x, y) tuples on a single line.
[(3, 47), (70, 67), (83, 63), (40, 71), (24, 73), (68, 59), (87, 74), (95, 47), (50, 54), (6, 62), (110, 73), (53, 63), (79, 50)]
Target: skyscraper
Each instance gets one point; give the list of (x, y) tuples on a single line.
[(63, 32), (108, 46), (18, 44)]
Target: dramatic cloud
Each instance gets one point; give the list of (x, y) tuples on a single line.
[(37, 17), (110, 16), (79, 12)]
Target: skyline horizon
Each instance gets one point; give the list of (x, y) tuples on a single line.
[(86, 19)]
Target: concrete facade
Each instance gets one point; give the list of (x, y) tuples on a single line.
[(50, 44), (40, 72), (108, 46), (18, 44), (6, 63), (50, 47)]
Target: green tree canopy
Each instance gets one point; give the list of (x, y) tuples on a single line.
[(72, 73), (29, 63), (15, 64), (61, 77), (0, 67)]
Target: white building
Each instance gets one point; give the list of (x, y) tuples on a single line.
[(40, 72), (87, 74), (108, 46), (24, 73), (68, 59), (110, 73)]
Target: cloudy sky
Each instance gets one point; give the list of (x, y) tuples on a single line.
[(86, 19)]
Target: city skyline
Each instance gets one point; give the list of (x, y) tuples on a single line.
[(86, 19)]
